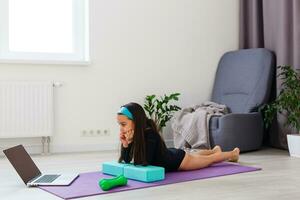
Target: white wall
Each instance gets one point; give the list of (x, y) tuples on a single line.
[(138, 47)]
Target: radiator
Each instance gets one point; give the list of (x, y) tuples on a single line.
[(26, 109)]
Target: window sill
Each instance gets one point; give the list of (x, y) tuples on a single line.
[(46, 62)]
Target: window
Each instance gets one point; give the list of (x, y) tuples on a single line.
[(44, 31)]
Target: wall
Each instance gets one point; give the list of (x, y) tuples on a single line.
[(138, 47)]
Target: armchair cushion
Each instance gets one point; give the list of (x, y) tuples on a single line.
[(243, 79), (237, 130)]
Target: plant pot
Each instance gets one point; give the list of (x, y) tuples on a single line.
[(294, 144)]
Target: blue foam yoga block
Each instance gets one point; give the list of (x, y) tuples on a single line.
[(144, 173), (137, 172), (113, 168)]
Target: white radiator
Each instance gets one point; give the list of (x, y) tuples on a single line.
[(26, 109)]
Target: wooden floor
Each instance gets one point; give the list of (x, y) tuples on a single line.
[(279, 179)]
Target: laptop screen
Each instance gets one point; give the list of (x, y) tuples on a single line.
[(22, 162)]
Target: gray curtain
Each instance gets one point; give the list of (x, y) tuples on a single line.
[(275, 25)]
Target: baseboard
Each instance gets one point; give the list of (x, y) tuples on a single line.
[(85, 147), (31, 149), (60, 148), (56, 148)]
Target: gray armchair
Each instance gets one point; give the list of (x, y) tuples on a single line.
[(243, 82)]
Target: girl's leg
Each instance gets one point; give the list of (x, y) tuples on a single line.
[(208, 152), (192, 161)]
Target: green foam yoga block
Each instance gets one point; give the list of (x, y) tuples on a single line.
[(137, 172), (107, 184)]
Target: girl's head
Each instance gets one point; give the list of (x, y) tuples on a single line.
[(125, 120), (132, 117)]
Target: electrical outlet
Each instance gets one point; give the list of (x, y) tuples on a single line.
[(91, 132), (94, 132), (106, 132), (98, 132), (83, 133), (87, 133)]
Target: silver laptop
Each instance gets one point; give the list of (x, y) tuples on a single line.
[(29, 172)]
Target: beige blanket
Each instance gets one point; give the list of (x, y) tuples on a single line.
[(191, 125)]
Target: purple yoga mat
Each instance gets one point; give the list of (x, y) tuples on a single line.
[(87, 183)]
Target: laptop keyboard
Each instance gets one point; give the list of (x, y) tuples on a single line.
[(47, 178)]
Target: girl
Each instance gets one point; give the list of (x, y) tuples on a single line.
[(142, 143)]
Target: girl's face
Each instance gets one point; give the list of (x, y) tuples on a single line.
[(125, 124)]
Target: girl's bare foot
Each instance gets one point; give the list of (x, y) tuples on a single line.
[(216, 149), (236, 154)]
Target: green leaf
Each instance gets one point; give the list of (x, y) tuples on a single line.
[(160, 109), (288, 99)]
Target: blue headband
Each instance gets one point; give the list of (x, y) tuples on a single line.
[(126, 112)]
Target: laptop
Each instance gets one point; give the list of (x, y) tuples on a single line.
[(29, 172)]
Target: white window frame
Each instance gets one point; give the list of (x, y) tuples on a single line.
[(80, 56)]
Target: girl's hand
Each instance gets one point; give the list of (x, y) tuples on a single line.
[(123, 140), (126, 138), (129, 136)]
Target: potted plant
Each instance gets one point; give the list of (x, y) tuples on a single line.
[(159, 108), (288, 104)]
